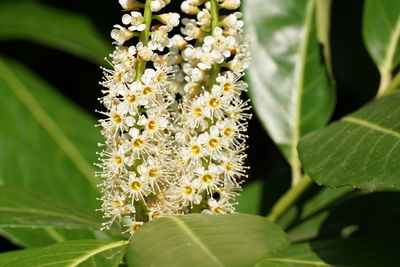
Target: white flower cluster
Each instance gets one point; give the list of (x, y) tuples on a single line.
[(175, 121)]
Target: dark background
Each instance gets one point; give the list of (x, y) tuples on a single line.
[(356, 76)]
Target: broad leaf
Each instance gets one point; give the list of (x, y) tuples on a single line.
[(28, 209), (205, 240), (289, 87), (56, 28), (351, 253), (381, 32), (360, 150), (47, 143), (70, 253)]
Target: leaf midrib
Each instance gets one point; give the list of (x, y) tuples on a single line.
[(387, 65), (196, 240), (49, 213), (288, 260), (98, 250), (47, 123), (299, 84), (370, 125)]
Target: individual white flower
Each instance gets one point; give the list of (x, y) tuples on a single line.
[(154, 124), (159, 38), (188, 8), (207, 179), (135, 19), (230, 4), (232, 21), (135, 188), (157, 5), (204, 17), (215, 103), (120, 34), (170, 18), (191, 30), (144, 52)]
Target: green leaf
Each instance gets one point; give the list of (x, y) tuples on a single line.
[(360, 150), (31, 238), (324, 8), (53, 27), (30, 209), (381, 32), (352, 253), (70, 253), (250, 199), (205, 240), (47, 143), (289, 87), (305, 221)]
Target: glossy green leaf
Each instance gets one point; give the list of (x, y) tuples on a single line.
[(381, 32), (205, 240), (360, 150), (70, 253), (351, 253), (30, 209), (56, 28), (289, 86), (47, 143)]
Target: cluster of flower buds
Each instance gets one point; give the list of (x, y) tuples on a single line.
[(175, 121)]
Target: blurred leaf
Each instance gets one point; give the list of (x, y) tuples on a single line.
[(29, 209), (354, 253), (47, 143), (70, 253), (323, 33), (360, 150), (381, 32), (72, 33), (288, 84), (205, 240), (250, 200), (25, 237)]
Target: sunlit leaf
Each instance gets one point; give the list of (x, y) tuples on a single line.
[(360, 150), (205, 240), (288, 84)]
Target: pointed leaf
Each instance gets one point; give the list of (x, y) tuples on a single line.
[(56, 28), (205, 240), (47, 143), (360, 150), (288, 83), (70, 253)]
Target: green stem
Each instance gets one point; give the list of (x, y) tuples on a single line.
[(215, 69), (144, 38), (384, 83), (393, 85), (289, 198)]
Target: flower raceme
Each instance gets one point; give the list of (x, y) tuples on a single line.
[(174, 123)]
